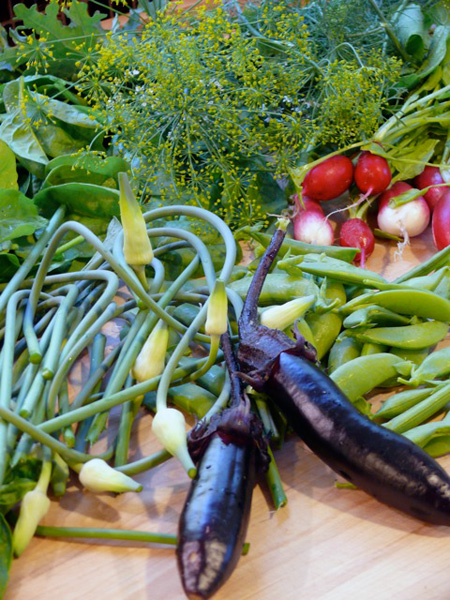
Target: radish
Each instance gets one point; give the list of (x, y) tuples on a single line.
[(355, 233), (441, 222), (329, 179), (306, 204), (407, 220), (429, 176), (311, 227), (372, 174)]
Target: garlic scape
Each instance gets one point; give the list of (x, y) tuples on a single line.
[(137, 249), (150, 361), (33, 508)]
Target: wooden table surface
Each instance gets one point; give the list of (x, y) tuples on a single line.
[(326, 544)]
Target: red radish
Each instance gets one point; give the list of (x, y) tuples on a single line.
[(372, 174), (407, 220), (306, 204), (441, 222), (355, 233), (429, 176), (311, 227), (329, 179)]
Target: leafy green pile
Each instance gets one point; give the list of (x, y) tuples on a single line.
[(213, 107)]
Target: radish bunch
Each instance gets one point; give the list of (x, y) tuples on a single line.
[(372, 177)]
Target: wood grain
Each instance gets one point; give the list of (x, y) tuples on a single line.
[(326, 544)]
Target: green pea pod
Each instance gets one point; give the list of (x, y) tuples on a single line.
[(333, 268), (374, 315), (213, 380), (443, 289), (191, 398), (422, 335), (361, 375), (370, 348), (422, 303), (438, 445), (342, 351), (188, 397), (421, 412), (186, 313), (435, 365), (436, 261), (429, 282), (401, 401), (278, 288), (303, 328), (325, 327), (415, 356), (422, 435)]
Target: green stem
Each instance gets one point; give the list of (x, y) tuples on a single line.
[(131, 393), (274, 482), (107, 534), (16, 280), (145, 464)]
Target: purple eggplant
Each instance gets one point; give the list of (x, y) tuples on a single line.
[(215, 517), (382, 463)]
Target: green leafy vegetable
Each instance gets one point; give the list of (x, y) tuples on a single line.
[(18, 215)]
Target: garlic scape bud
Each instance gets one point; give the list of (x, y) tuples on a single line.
[(217, 312), (150, 361), (137, 248), (169, 426), (97, 476), (284, 315), (33, 508)]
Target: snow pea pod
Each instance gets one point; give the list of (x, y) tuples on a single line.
[(361, 375), (421, 303), (436, 365), (422, 335), (371, 348), (278, 287), (325, 327), (326, 266), (374, 314), (415, 356), (438, 260), (342, 351), (429, 282), (418, 414), (401, 401)]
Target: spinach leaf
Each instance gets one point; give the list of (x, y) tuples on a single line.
[(11, 493), (18, 134), (9, 263), (87, 168), (8, 171), (83, 199), (5, 554), (18, 215)]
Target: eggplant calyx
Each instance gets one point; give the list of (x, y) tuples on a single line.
[(235, 425)]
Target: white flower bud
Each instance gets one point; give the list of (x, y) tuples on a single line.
[(169, 426), (150, 361), (33, 508), (97, 476), (284, 315)]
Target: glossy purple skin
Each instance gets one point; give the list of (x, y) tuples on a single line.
[(380, 462), (215, 517)]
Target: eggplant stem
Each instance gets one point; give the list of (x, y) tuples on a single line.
[(249, 315)]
